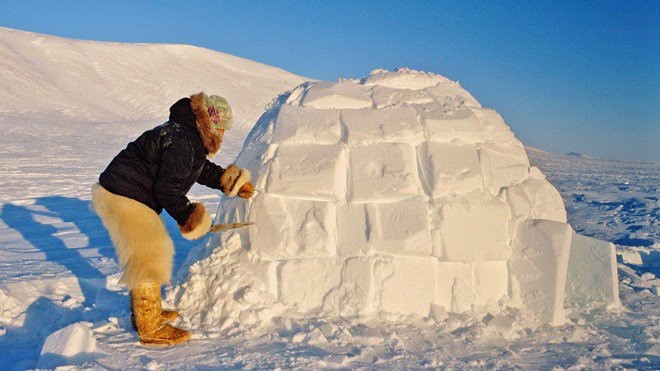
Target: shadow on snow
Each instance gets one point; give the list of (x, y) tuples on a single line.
[(21, 345)]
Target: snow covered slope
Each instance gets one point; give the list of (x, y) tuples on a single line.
[(114, 82)]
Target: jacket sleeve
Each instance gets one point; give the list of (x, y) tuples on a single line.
[(210, 175), (170, 185)]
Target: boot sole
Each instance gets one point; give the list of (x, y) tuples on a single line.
[(161, 343)]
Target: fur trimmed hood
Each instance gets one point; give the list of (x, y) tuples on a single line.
[(163, 163), (211, 137)]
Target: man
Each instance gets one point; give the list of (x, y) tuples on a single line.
[(153, 173)]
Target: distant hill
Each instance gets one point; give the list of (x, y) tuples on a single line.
[(92, 81)]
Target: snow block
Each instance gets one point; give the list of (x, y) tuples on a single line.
[(274, 217), (435, 206), (495, 130), (70, 345), (340, 95), (392, 124), (232, 210), (303, 283), (352, 230), (459, 126), (491, 281), (627, 256), (295, 124), (503, 165), (258, 162), (539, 264), (400, 228), (296, 94), (384, 172), (308, 171), (450, 168), (453, 286), (386, 97), (453, 92), (410, 286), (462, 296), (474, 228), (357, 292), (404, 78), (592, 273), (534, 199)]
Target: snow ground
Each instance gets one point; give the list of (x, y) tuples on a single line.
[(57, 268)]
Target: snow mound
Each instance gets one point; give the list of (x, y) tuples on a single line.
[(72, 344), (396, 194)]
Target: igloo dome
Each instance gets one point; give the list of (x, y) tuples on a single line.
[(397, 193)]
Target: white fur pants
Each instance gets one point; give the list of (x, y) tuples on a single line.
[(144, 248)]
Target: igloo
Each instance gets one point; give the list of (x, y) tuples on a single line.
[(398, 193)]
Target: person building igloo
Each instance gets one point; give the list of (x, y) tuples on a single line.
[(397, 193), (155, 172)]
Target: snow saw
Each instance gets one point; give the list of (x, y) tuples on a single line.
[(224, 227)]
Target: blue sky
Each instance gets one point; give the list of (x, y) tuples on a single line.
[(566, 75)]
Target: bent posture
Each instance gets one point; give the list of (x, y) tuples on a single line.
[(153, 173)]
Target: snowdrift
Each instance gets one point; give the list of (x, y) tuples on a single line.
[(394, 195)]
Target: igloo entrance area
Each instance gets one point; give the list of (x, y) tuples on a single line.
[(396, 194)]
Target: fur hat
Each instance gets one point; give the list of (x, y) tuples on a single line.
[(211, 135), (220, 112)]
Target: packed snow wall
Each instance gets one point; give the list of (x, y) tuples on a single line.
[(394, 194)]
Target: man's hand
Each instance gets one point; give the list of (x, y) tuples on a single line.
[(246, 191), (236, 181), (198, 223)]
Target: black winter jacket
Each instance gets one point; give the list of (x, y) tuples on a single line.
[(160, 166)]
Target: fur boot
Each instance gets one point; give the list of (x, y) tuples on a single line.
[(167, 315), (152, 329)]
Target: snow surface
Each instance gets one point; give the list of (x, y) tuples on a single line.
[(58, 274)]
